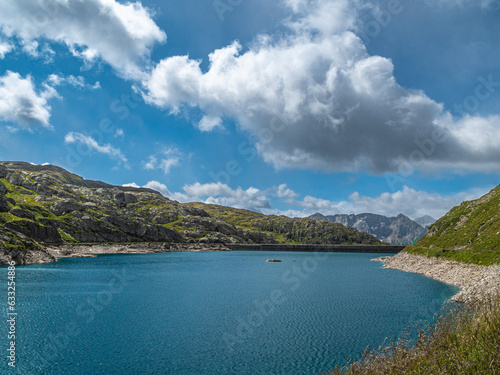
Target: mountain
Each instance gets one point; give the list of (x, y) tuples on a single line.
[(399, 230), (425, 221), (46, 205), (468, 233)]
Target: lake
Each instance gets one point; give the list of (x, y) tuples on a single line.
[(210, 312)]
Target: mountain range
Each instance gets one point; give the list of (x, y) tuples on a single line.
[(399, 230), (44, 205)]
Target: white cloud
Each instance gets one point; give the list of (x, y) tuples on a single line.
[(93, 145), (284, 192), (322, 100), (75, 81), (132, 184), (208, 190), (164, 160), (410, 202), (155, 185), (209, 123), (221, 194), (119, 133), (21, 103), (122, 34), (5, 48), (214, 193)]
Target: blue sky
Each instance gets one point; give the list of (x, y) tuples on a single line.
[(287, 107)]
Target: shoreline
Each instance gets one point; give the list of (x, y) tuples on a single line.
[(54, 253), (477, 283)]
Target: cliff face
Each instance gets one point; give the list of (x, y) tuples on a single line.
[(47, 205), (399, 230)]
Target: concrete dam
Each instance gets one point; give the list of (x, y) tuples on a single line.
[(381, 249)]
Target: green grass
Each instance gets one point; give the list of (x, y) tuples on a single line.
[(465, 340), (484, 258), (469, 233)]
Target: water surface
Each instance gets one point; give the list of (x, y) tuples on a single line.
[(211, 313)]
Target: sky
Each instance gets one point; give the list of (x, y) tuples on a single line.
[(286, 107)]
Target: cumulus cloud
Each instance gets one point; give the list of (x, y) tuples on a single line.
[(131, 184), (410, 202), (22, 103), (164, 160), (214, 193), (209, 123), (322, 101), (122, 34), (221, 194), (284, 192), (94, 146)]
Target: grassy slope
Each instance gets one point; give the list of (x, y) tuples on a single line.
[(469, 233)]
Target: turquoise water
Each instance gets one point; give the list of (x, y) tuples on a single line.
[(210, 313)]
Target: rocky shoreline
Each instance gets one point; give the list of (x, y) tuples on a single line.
[(52, 254), (477, 283)]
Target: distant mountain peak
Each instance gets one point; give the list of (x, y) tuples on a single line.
[(399, 230), (425, 220)]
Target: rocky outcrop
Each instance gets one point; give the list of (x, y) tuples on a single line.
[(3, 189), (399, 230), (23, 257)]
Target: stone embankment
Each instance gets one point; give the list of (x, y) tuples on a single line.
[(477, 283)]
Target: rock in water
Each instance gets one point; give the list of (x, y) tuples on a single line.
[(273, 260)]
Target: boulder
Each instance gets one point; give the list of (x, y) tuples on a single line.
[(3, 171), (130, 198), (3, 188), (27, 185), (15, 179), (120, 199), (166, 217), (41, 189), (66, 206), (193, 211), (23, 214), (4, 206)]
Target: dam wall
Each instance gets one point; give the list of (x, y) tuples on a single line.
[(380, 249)]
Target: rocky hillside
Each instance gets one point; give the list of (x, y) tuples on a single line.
[(47, 205), (399, 230), (468, 233)]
